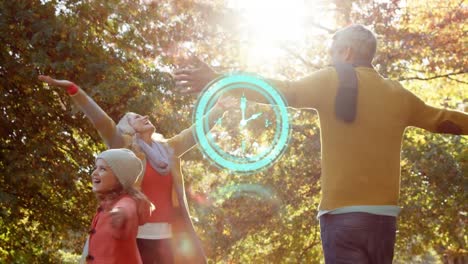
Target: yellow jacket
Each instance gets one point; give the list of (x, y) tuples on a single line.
[(361, 160)]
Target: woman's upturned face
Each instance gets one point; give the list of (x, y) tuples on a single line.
[(103, 178), (141, 123)]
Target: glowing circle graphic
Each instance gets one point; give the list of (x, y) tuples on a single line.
[(243, 159)]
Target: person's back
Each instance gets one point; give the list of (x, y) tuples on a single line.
[(362, 120), (361, 160)]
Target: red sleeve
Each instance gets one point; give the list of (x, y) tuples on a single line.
[(128, 206)]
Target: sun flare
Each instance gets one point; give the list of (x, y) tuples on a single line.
[(269, 24)]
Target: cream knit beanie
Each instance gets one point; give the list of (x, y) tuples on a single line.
[(125, 165)]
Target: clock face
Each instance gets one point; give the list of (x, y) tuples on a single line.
[(249, 137)]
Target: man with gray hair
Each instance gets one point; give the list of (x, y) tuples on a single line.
[(362, 121)]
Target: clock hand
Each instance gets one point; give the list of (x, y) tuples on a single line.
[(243, 105), (254, 116), (219, 121)]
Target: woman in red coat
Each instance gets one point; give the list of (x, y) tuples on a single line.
[(168, 236)]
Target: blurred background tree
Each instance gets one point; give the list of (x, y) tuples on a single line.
[(121, 53)]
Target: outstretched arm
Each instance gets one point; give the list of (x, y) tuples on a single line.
[(124, 218), (303, 93), (435, 119), (101, 121), (185, 140)]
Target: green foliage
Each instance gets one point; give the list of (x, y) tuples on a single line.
[(46, 147)]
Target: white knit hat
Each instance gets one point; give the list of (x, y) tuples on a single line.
[(127, 167)]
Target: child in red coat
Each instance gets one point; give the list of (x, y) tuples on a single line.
[(122, 208)]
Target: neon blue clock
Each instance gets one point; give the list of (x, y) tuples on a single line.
[(251, 137)]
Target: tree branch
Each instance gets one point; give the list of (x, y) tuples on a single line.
[(459, 81), (299, 57), (432, 77), (329, 30)]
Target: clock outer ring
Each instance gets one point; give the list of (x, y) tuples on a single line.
[(215, 89)]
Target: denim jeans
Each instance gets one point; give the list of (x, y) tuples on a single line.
[(358, 238)]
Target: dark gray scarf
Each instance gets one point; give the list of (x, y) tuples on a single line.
[(347, 93)]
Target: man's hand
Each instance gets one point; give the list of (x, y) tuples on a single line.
[(193, 80), (51, 81)]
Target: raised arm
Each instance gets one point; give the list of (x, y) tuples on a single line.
[(307, 92), (100, 120), (435, 119), (124, 218), (185, 140), (303, 93)]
